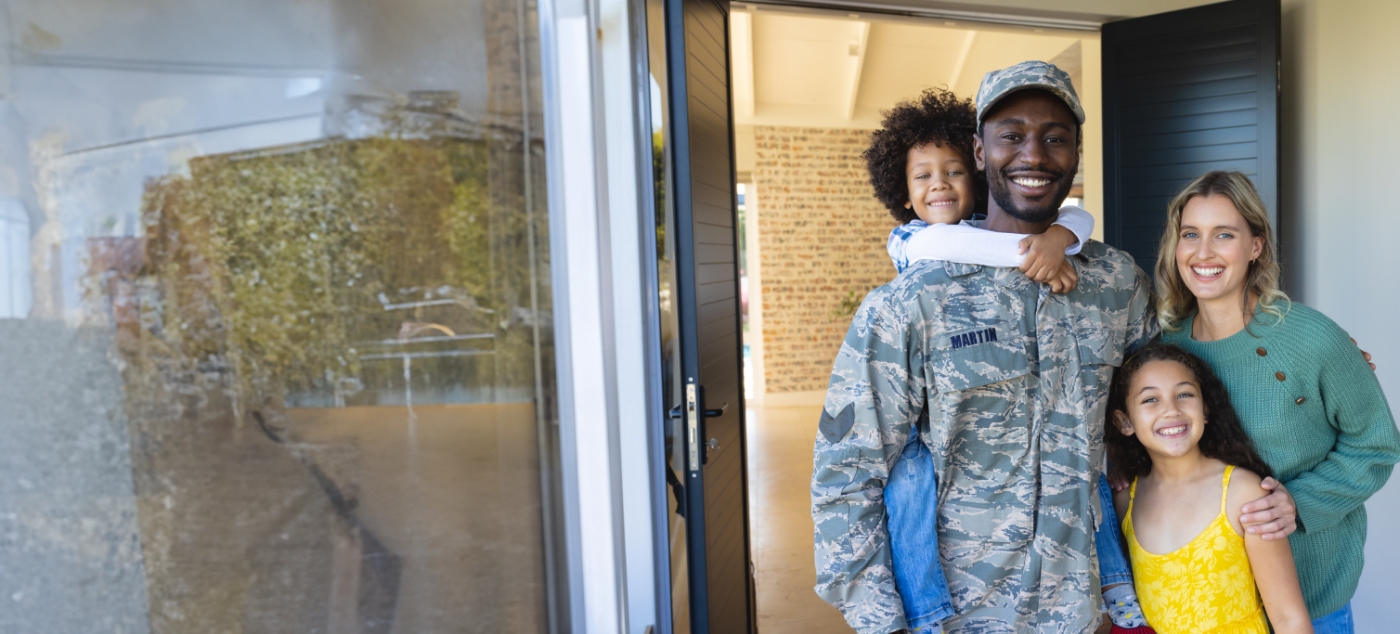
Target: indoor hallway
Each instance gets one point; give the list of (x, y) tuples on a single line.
[(780, 474)]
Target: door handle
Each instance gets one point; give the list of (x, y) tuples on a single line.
[(679, 412), (694, 416)]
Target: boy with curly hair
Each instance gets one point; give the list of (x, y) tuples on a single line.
[(921, 167)]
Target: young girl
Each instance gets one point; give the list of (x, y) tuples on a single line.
[(921, 168), (1175, 434)]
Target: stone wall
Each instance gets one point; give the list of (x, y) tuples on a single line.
[(821, 237)]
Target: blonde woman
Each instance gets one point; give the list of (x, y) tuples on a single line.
[(1304, 394)]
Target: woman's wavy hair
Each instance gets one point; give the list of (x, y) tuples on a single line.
[(1224, 438), (936, 116), (1174, 300)]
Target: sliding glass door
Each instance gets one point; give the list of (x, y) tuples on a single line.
[(275, 335)]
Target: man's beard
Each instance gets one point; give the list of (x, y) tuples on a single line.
[(998, 184)]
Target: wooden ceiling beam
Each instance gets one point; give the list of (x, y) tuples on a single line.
[(857, 50)]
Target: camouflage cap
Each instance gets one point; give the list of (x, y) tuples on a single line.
[(997, 84)]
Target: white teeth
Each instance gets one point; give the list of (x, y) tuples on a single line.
[(1031, 182), (1172, 431), (942, 203), (1210, 272)]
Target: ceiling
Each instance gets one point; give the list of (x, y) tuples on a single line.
[(1088, 12), (841, 70)]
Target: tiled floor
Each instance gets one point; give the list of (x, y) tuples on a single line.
[(780, 473)]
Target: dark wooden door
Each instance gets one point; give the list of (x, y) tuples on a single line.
[(1184, 93), (707, 306)]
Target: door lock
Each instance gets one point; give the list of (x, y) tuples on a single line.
[(693, 414), (692, 425)]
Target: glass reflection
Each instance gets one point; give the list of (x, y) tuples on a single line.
[(671, 387), (275, 347)]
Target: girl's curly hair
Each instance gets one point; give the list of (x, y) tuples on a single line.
[(937, 116), (1224, 438)]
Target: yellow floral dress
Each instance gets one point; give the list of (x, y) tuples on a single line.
[(1204, 587)]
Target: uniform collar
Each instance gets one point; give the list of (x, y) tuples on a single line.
[(956, 269)]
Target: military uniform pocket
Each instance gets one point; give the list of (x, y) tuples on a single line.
[(978, 357), (1099, 339)]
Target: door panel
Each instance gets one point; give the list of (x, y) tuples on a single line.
[(697, 36), (1184, 93)]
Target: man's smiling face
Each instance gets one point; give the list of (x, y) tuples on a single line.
[(1029, 149)]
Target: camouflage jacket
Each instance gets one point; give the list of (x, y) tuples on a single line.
[(1006, 383)]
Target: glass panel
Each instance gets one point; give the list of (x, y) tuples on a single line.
[(671, 388), (275, 341)]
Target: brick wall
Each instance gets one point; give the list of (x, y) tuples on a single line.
[(821, 235)]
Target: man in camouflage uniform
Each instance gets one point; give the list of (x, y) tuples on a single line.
[(1004, 382)]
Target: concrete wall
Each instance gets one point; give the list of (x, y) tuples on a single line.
[(1340, 217)]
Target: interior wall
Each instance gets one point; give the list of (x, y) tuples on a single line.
[(1339, 216), (821, 241)]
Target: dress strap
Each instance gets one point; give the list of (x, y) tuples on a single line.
[(1225, 487)]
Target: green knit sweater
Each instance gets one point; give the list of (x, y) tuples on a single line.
[(1317, 416)]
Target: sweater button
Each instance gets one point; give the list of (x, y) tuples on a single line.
[(1279, 376), (1299, 401), (1262, 352)]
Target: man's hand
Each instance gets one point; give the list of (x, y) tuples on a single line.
[(1045, 259), (1273, 516), (1117, 481), (1364, 355)]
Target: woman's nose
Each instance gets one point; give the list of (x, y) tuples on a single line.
[(1204, 249)]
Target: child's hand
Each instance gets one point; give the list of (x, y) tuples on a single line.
[(1045, 258), (1065, 279)]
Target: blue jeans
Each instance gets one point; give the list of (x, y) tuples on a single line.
[(911, 507), (1338, 622)]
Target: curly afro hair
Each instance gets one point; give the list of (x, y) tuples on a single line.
[(937, 116)]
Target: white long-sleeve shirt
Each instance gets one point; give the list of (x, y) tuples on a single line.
[(966, 244)]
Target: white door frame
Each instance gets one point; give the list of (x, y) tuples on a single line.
[(606, 322)]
